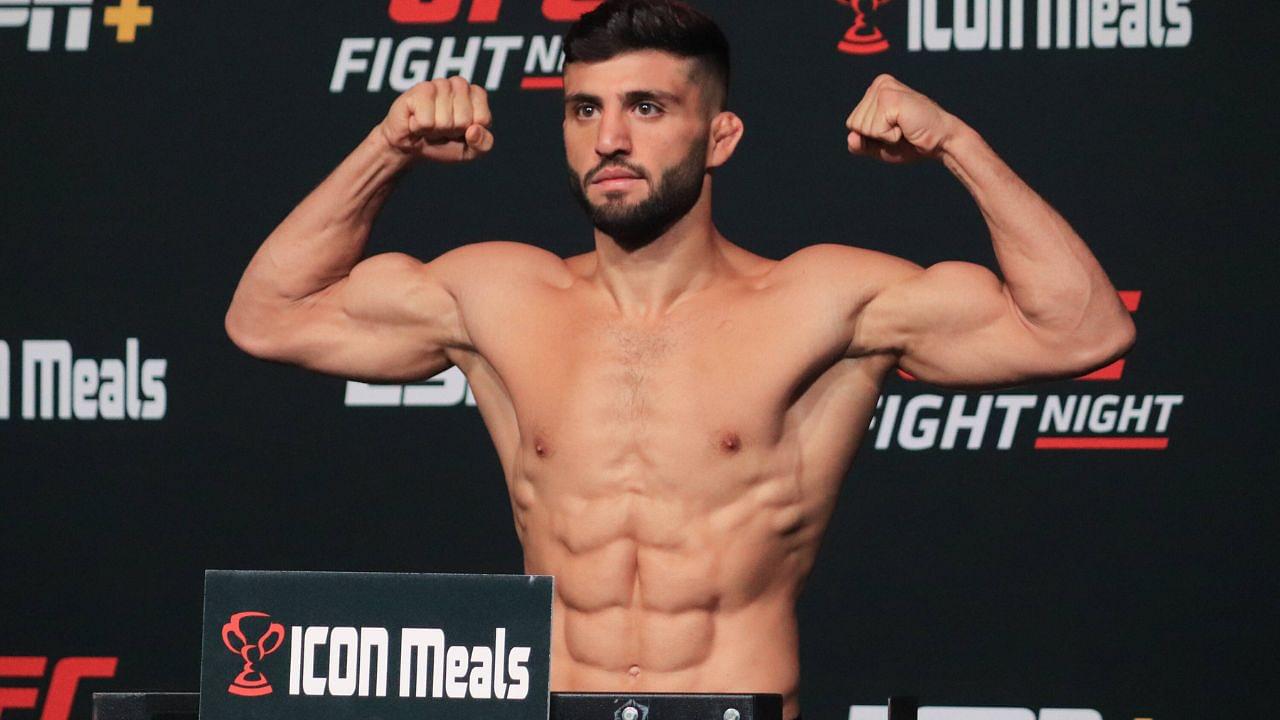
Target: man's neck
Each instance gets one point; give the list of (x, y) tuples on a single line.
[(647, 282)]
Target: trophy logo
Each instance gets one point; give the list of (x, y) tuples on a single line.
[(251, 682), (863, 38)]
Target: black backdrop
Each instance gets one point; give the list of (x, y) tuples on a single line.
[(139, 177)]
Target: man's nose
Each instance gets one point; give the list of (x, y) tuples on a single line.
[(614, 136)]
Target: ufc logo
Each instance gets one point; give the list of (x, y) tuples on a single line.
[(414, 12), (62, 683)]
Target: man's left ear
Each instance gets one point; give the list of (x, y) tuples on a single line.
[(726, 131)]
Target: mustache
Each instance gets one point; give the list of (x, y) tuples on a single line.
[(613, 163)]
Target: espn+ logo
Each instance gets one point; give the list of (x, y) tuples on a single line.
[(40, 17)]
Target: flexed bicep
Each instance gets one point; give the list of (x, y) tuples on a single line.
[(955, 324), (390, 319)]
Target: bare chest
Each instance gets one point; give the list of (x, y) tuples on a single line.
[(712, 381)]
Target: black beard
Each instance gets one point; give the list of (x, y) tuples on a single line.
[(635, 226)]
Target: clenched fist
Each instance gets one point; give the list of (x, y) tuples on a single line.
[(442, 120), (897, 124)]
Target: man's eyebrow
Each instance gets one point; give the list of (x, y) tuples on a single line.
[(581, 97), (636, 96), (629, 98)]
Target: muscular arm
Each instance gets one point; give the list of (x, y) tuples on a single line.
[(1054, 313), (307, 298)]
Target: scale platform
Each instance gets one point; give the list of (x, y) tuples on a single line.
[(564, 706)]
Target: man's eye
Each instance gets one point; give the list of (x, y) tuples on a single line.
[(585, 111), (647, 108)]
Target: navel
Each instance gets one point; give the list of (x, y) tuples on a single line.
[(634, 671), (730, 442)]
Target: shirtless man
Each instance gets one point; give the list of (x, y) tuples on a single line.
[(674, 414)]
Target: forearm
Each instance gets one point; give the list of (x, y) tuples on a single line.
[(1053, 278), (320, 241)]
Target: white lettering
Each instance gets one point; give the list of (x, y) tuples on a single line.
[(342, 661), (500, 682), (295, 659), (935, 38), (455, 684), (1133, 24), (111, 391), (1167, 403), (1138, 415), (500, 46), (405, 74), (1179, 16), (976, 424), (88, 389), (1058, 413), (414, 644), (1105, 13), (315, 636), (464, 64), (379, 71), (885, 433), (919, 435), (348, 63), (481, 681), (371, 639), (545, 54), (445, 389), (971, 36), (1102, 418), (519, 689), (1013, 405), (1069, 714), (4, 371), (47, 355), (84, 388)]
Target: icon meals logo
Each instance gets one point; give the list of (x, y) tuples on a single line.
[(863, 38), (251, 682), (941, 25), (358, 661)]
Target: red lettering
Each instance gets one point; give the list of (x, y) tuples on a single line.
[(484, 11), (17, 698), (62, 686), (567, 10), (428, 12), (66, 676), (20, 667), (425, 11)]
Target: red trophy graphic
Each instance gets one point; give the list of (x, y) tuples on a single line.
[(863, 38), (251, 682)]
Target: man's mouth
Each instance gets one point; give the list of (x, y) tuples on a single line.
[(614, 177)]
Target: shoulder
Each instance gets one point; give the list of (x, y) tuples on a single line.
[(498, 261), (843, 269)]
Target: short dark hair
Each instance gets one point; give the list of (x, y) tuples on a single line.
[(619, 26)]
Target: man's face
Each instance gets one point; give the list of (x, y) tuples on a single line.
[(641, 117)]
